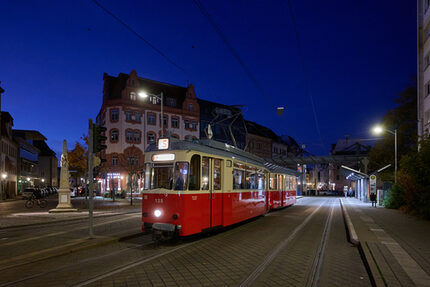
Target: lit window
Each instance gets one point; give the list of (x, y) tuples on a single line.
[(133, 96)]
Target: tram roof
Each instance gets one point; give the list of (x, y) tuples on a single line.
[(221, 149)]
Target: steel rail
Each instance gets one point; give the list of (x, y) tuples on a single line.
[(316, 266), (272, 255)]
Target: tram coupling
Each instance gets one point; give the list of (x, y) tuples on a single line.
[(164, 231)]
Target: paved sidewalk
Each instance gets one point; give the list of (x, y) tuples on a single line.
[(395, 245), (14, 213)]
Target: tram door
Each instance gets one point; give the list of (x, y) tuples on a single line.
[(211, 174)]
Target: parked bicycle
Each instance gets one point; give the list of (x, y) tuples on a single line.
[(39, 201)]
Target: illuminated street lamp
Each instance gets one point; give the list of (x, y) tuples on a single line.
[(144, 95), (379, 130), (3, 175)]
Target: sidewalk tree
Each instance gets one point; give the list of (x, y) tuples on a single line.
[(78, 158), (414, 180), (132, 161), (404, 119)]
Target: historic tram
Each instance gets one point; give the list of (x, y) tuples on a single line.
[(191, 187)]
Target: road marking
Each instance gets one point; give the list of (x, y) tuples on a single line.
[(67, 231), (269, 258)]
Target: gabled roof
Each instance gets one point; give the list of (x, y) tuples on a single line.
[(259, 130), (115, 85)]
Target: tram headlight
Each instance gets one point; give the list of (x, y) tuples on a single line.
[(157, 213)]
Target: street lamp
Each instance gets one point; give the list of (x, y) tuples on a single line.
[(144, 95), (3, 175), (379, 130)]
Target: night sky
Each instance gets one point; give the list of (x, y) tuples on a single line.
[(358, 55)]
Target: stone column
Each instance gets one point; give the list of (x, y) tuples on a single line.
[(64, 204)]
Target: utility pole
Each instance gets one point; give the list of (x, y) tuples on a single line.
[(90, 176)]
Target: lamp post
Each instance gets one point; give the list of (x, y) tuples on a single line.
[(378, 130), (144, 95), (3, 178)]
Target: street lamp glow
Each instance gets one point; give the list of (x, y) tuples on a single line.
[(143, 94), (43, 180), (3, 175), (378, 130)]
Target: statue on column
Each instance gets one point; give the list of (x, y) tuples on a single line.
[(64, 204)]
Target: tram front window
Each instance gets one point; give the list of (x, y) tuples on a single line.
[(181, 175), (162, 176)]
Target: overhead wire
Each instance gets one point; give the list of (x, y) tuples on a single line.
[(152, 46), (302, 60), (233, 52)]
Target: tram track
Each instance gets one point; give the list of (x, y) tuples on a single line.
[(74, 264), (313, 274)]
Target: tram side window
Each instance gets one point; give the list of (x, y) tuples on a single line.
[(181, 174), (260, 181), (194, 173), (294, 183), (205, 173), (272, 181), (161, 176), (250, 179), (217, 174), (238, 178)]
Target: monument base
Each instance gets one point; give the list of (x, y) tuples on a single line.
[(64, 204)]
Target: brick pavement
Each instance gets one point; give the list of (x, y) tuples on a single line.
[(227, 258), (395, 244)]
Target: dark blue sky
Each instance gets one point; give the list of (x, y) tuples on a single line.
[(358, 55)]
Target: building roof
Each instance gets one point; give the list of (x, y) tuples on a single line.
[(346, 146), (38, 141), (115, 85), (259, 130), (29, 135)]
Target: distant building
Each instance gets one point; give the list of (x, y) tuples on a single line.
[(133, 123), (423, 61), (37, 162), (346, 146), (9, 158), (265, 143), (227, 123), (259, 140)]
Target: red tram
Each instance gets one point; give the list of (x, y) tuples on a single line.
[(191, 187)]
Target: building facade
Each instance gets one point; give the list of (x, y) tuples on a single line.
[(423, 63), (37, 162), (134, 122), (227, 123), (9, 159)]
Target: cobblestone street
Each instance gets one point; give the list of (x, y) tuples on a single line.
[(303, 245)]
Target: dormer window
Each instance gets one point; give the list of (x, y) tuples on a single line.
[(133, 96)]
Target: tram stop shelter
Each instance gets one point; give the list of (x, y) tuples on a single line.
[(360, 180)]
